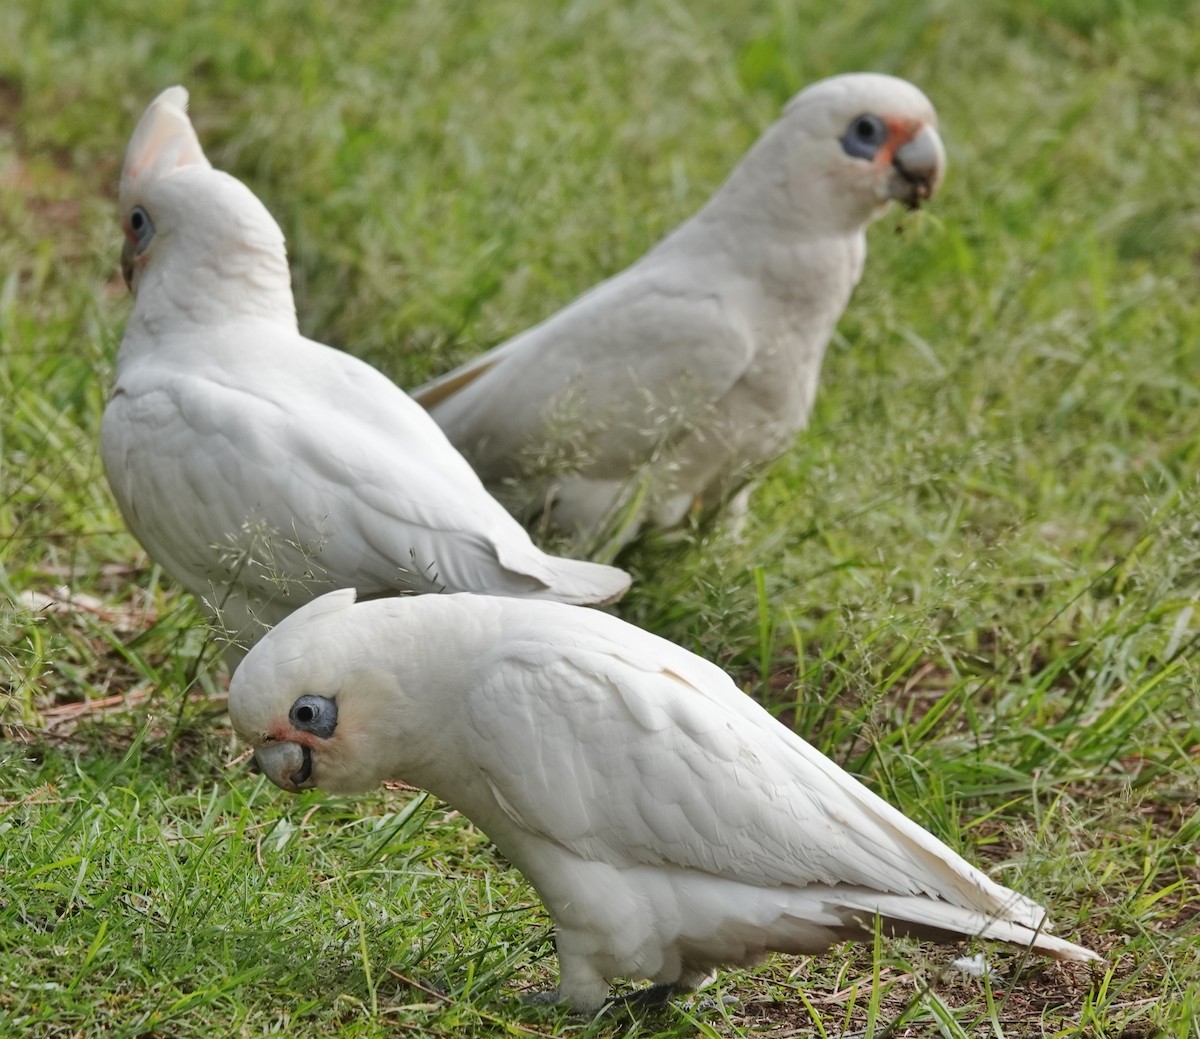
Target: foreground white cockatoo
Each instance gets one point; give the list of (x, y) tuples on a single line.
[(260, 468), (669, 823), (664, 389)]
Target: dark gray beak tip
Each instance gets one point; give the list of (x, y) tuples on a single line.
[(918, 167), (304, 773), (920, 192), (288, 765)]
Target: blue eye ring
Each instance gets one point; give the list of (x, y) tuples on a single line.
[(315, 714), (865, 135), (141, 226)]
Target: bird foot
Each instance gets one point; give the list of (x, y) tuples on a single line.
[(551, 999), (652, 998), (545, 997)]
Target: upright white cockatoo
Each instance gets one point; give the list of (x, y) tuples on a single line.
[(260, 468), (664, 389), (669, 823)]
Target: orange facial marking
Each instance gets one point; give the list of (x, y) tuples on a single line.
[(287, 734), (900, 132)]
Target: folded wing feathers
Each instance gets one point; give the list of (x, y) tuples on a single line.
[(800, 820), (372, 496)]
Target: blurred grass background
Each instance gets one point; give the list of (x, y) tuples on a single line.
[(973, 581)]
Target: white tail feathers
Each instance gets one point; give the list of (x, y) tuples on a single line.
[(581, 583), (922, 916)]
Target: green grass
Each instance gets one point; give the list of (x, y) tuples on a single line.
[(973, 581)]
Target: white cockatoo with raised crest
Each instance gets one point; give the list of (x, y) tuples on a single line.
[(664, 390), (260, 468), (668, 822)]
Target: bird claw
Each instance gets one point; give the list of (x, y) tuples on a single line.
[(544, 997), (651, 998), (551, 999)]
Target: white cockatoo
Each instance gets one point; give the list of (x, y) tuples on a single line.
[(260, 468), (664, 389), (669, 823)]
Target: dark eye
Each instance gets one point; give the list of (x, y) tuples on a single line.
[(864, 137), (142, 227), (315, 714)]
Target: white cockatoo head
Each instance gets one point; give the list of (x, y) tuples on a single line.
[(195, 233), (312, 722), (841, 151)]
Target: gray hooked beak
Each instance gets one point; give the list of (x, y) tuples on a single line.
[(127, 262), (918, 167), (287, 765)]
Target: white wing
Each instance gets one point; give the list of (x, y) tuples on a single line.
[(663, 334), (318, 460), (640, 752)]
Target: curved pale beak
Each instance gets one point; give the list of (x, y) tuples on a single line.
[(287, 765), (917, 168)]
